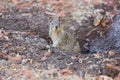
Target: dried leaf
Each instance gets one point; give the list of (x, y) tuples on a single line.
[(68, 6), (61, 1), (103, 77), (111, 53), (5, 45), (98, 55), (31, 61), (52, 71), (1, 7), (66, 71), (43, 1), (43, 58), (3, 54), (17, 58), (87, 39), (97, 20), (95, 2), (109, 66), (61, 13), (113, 67), (27, 61), (105, 22), (117, 77), (3, 34), (23, 5), (1, 14), (90, 32), (27, 73), (110, 14), (88, 1), (86, 46), (48, 53), (1, 78), (15, 1)]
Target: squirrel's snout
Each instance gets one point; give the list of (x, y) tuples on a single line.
[(56, 27)]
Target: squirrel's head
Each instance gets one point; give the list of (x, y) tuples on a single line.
[(55, 26)]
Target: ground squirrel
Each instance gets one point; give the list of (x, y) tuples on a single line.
[(61, 38)]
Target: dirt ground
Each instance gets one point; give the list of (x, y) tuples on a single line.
[(25, 53)]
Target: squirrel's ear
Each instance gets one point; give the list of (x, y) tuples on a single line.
[(51, 22)]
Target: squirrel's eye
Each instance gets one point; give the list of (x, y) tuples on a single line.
[(50, 21), (56, 27)]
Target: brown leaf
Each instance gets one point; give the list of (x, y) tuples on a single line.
[(61, 1), (2, 78), (23, 5), (5, 45), (31, 61), (66, 71), (1, 14), (110, 15), (109, 66), (27, 73), (27, 61), (48, 53), (60, 13), (68, 6), (90, 32), (111, 53), (103, 77), (97, 20), (3, 34), (95, 2), (52, 71), (43, 58), (15, 1), (43, 1), (17, 58), (117, 77), (1, 7), (87, 39), (105, 22), (97, 55), (3, 54)]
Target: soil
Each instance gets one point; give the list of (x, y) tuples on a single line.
[(25, 52)]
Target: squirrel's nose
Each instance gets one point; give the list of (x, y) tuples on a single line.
[(56, 27)]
